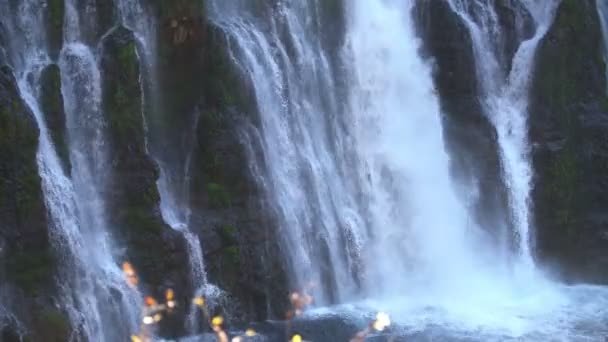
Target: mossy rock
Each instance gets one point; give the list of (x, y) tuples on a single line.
[(51, 102), (218, 195), (122, 91), (31, 269), (28, 256), (53, 326), (227, 234), (55, 12), (158, 252)]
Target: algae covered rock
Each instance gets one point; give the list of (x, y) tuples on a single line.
[(28, 263), (55, 12), (51, 102), (28, 257), (158, 252)]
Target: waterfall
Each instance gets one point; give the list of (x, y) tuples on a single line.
[(93, 290), (174, 180), (303, 143), (361, 188), (602, 10), (505, 100), (421, 232)]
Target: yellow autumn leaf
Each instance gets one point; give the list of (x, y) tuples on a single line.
[(217, 321), (199, 301)]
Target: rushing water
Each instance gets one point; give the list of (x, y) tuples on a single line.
[(174, 180), (381, 153), (301, 134), (353, 162), (94, 293), (505, 99), (359, 178)]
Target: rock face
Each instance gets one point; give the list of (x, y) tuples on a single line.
[(27, 262), (569, 132), (470, 136), (197, 79), (55, 12), (51, 100), (158, 252)]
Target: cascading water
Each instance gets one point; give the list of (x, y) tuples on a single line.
[(353, 162), (303, 144), (505, 99), (398, 135), (174, 180), (362, 191), (81, 85), (381, 155), (94, 292)]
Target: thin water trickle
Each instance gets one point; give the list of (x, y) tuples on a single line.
[(174, 180)]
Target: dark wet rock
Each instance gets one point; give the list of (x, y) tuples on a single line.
[(470, 136), (198, 80), (569, 133), (51, 103), (28, 262), (158, 252), (27, 255), (96, 18), (55, 12)]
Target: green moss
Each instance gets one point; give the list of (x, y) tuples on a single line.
[(218, 195), (31, 269), (571, 14), (53, 326), (227, 234), (212, 118), (123, 96), (56, 9), (127, 58), (232, 255), (18, 143), (54, 24), (138, 219), (51, 101), (29, 262)]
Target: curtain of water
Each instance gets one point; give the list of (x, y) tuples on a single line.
[(361, 187), (505, 99), (94, 292), (279, 50)]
